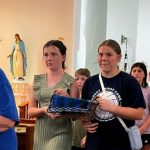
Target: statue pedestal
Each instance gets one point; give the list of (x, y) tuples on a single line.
[(21, 91)]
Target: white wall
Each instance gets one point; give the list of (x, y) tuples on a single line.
[(92, 28), (95, 31), (131, 18), (122, 18), (143, 35), (37, 22), (103, 20)]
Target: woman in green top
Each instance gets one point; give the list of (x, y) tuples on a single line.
[(52, 131)]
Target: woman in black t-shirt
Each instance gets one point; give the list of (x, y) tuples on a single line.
[(124, 99)]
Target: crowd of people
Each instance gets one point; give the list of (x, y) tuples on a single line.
[(127, 95)]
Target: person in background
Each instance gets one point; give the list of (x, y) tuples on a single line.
[(52, 131), (139, 71), (18, 61), (123, 98), (78, 131), (148, 74), (8, 115)]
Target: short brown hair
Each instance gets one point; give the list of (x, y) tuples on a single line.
[(83, 72)]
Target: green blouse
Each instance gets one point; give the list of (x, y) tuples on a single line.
[(51, 134)]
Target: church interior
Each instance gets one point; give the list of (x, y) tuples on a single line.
[(40, 21)]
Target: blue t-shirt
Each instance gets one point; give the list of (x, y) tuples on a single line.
[(8, 139)]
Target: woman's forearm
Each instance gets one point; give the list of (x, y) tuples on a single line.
[(2, 129), (120, 111), (35, 112), (129, 113), (6, 123)]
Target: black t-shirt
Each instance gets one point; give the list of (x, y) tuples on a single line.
[(123, 90)]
